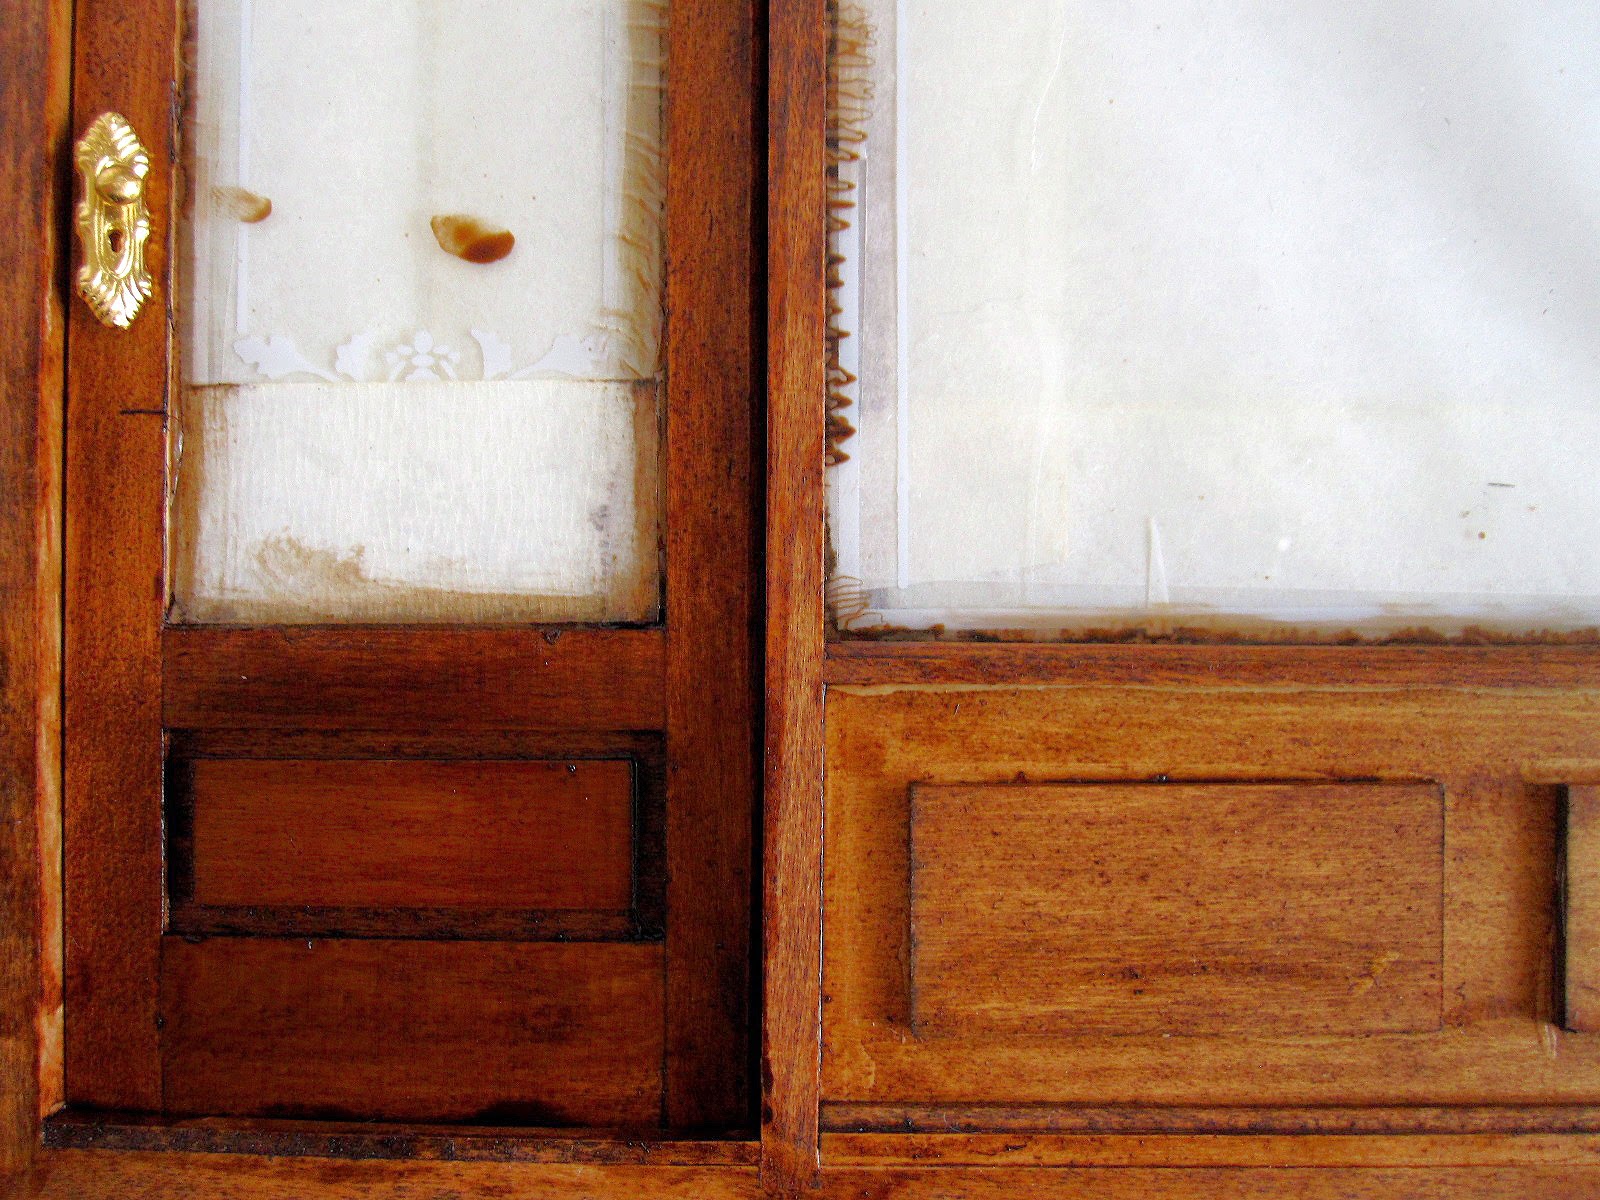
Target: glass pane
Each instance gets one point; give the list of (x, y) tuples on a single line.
[(1230, 313), (422, 312)]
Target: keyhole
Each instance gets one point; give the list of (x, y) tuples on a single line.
[(114, 240)]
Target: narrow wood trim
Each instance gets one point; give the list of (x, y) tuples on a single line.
[(883, 664), (712, 570), (796, 306), (412, 678), (1177, 1151), (125, 60), (84, 1130), (35, 45), (1578, 911), (644, 747), (1225, 1121), (72, 1174)]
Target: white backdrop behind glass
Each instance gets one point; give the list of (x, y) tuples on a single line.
[(373, 426), (1184, 311)]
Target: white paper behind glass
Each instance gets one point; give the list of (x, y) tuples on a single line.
[(372, 428), (1200, 310)]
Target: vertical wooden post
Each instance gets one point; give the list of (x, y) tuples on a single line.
[(713, 572), (797, 298), (125, 60), (35, 46)]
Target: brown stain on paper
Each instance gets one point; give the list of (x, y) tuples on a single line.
[(471, 239)]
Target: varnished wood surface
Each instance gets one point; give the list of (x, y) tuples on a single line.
[(1176, 909), (1580, 991), (364, 1140), (713, 558), (866, 664), (1028, 1119), (128, 1175), (1185, 1150), (1498, 755), (396, 833), (796, 443), (34, 186), (393, 677), (223, 747), (86, 1175), (487, 1032), (116, 452)]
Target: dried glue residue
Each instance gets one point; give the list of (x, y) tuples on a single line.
[(242, 204), (849, 100), (470, 239)]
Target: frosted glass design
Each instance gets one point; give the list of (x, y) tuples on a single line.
[(1225, 312), (421, 312)]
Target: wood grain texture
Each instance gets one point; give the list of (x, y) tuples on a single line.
[(1581, 911), (1027, 1119), (102, 1175), (486, 1032), (1166, 909), (536, 835), (1499, 755), (387, 677), (796, 445), (35, 44), (713, 564), (130, 1175), (72, 1130), (116, 450), (1266, 1182), (866, 664), (1178, 1151)]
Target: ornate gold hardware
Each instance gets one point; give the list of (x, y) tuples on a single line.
[(113, 220)]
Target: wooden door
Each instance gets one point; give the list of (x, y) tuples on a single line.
[(1104, 873), (431, 856)]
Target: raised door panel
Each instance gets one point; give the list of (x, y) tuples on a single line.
[(1162, 909), (1161, 897)]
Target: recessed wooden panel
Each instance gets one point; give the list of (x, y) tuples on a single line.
[(536, 835), (499, 1032), (1252, 909)]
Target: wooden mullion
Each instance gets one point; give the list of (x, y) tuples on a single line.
[(796, 299), (125, 60), (712, 560)]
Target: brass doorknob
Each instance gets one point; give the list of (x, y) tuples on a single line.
[(113, 220)]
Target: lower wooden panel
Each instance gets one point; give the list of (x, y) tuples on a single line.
[(496, 1032), (1500, 757), (1176, 909), (535, 835)]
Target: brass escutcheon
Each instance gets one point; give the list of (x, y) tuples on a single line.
[(113, 220)]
